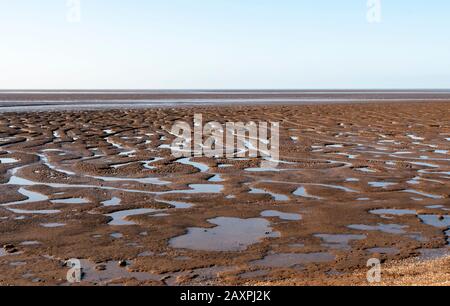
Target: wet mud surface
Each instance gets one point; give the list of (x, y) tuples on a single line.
[(355, 182)]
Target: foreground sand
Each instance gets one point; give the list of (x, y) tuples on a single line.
[(316, 222)]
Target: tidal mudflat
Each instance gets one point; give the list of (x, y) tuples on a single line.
[(355, 181)]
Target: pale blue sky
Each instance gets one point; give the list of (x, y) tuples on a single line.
[(224, 44)]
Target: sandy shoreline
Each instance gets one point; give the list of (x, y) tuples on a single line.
[(359, 181)]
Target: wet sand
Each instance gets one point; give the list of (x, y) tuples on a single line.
[(358, 181)]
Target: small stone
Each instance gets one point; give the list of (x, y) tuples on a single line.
[(122, 263), (441, 218)]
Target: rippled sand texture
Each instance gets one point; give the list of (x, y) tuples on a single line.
[(356, 181)]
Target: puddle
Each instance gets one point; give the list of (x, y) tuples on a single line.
[(199, 188), (281, 215), (402, 153), (430, 254), (352, 180), (46, 162), (187, 161), (435, 207), (336, 187), (427, 195), (264, 169), (387, 251), (395, 212), (52, 225), (70, 201), (216, 179), (366, 169), (34, 212), (293, 259), (225, 166), (414, 137), (441, 151), (386, 228), (8, 160), (120, 216), (381, 184), (230, 234), (339, 241), (121, 165), (177, 204), (113, 202), (435, 220), (277, 197), (195, 188), (424, 164), (147, 180), (31, 195), (349, 156), (336, 146), (117, 235), (301, 192), (414, 181), (30, 243), (147, 163)]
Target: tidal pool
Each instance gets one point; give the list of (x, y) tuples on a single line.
[(281, 215), (230, 234)]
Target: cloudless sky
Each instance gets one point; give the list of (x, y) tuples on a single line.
[(224, 44)]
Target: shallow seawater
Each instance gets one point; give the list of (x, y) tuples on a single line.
[(339, 241), (301, 192), (381, 184), (293, 259), (281, 215), (216, 179), (427, 195), (365, 169), (119, 217), (277, 197), (230, 234), (177, 204), (146, 180), (52, 225), (8, 160), (386, 228), (435, 220), (34, 212), (200, 166), (201, 188), (70, 201), (112, 202), (396, 212), (31, 197), (30, 243)]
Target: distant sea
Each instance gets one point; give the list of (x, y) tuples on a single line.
[(43, 100)]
